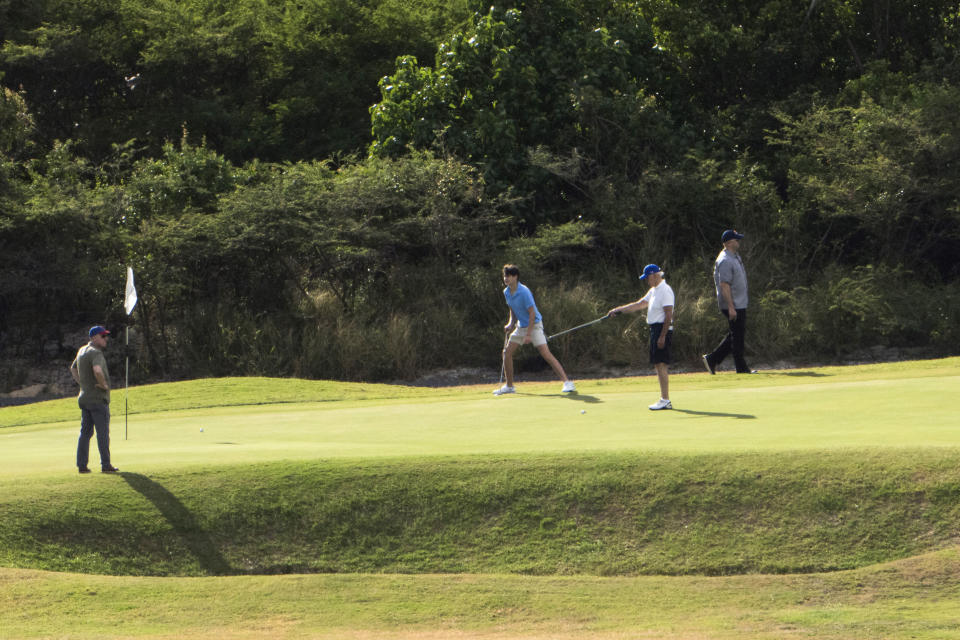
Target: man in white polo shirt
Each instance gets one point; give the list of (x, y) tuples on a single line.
[(658, 302)]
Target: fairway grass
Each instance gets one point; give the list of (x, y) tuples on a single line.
[(913, 598), (402, 512)]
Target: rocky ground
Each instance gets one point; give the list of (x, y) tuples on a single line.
[(33, 382)]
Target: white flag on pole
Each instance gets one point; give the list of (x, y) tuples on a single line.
[(130, 301)]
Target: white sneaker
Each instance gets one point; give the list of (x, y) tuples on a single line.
[(661, 404), (504, 389), (568, 387)]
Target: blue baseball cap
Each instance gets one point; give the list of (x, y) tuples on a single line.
[(650, 268), (97, 330), (730, 234)]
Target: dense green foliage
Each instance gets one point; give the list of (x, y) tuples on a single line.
[(618, 514), (214, 147), (257, 79)]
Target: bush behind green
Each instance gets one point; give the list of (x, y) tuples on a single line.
[(847, 315)]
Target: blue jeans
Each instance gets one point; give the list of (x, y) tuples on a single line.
[(94, 417)]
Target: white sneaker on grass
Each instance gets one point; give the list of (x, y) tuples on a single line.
[(568, 387), (504, 389), (662, 403)]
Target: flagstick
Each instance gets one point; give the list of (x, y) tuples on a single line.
[(126, 383), (129, 302)]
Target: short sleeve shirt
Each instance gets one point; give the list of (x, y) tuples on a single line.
[(90, 394), (520, 302), (657, 298), (729, 268)]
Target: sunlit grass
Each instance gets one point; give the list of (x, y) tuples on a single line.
[(847, 478)]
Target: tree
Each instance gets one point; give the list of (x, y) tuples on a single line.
[(734, 59), (254, 78), (874, 176), (60, 247), (555, 75), (69, 58)]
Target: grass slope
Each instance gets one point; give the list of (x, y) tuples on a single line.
[(612, 514)]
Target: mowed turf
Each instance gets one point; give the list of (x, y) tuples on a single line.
[(905, 407), (911, 599), (838, 408)]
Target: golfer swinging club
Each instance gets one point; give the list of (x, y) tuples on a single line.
[(526, 325)]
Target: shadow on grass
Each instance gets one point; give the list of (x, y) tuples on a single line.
[(569, 396), (798, 374), (717, 414), (183, 521)]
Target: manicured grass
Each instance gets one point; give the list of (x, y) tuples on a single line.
[(602, 514), (851, 471), (834, 409), (223, 392), (910, 599)]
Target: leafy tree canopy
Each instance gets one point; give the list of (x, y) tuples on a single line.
[(553, 74), (256, 79)]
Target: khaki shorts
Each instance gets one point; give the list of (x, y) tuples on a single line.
[(537, 336)]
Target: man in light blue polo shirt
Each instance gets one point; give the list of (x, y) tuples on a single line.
[(526, 325)]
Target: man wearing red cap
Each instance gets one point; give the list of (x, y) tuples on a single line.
[(89, 369)]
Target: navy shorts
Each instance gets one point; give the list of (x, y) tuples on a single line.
[(658, 355)]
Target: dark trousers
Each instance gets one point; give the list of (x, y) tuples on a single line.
[(94, 417), (733, 342)]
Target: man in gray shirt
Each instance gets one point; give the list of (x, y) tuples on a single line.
[(89, 369), (730, 279)]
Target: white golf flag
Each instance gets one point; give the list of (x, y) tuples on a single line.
[(130, 301)]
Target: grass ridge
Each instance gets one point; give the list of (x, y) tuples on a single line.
[(600, 514)]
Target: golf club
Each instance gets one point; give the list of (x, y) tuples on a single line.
[(585, 324), (503, 357)]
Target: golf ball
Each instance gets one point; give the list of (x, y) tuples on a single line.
[(583, 410), (201, 429)]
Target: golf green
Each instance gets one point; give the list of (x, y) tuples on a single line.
[(883, 406)]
